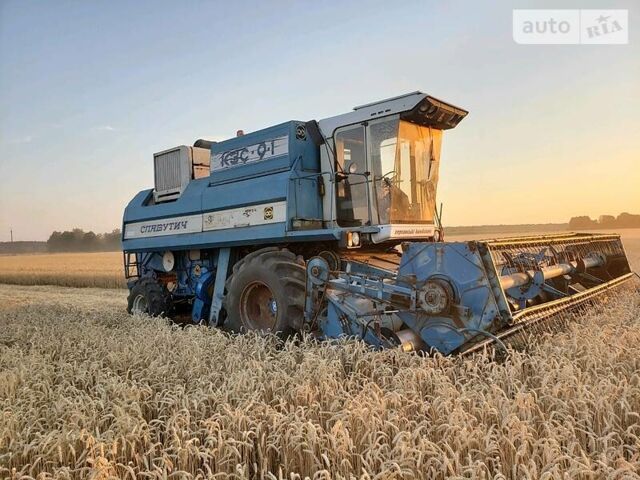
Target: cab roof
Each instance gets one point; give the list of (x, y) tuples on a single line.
[(416, 107)]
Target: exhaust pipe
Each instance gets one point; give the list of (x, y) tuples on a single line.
[(202, 143)]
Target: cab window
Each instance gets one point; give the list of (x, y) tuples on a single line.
[(351, 191)]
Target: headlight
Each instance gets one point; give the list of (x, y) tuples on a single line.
[(353, 239), (168, 261)]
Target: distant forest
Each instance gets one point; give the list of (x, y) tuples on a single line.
[(624, 220), (77, 240)]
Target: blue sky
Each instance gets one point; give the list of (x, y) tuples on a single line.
[(89, 90)]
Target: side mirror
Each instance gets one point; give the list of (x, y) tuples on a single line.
[(313, 129)]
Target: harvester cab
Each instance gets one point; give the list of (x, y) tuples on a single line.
[(331, 227), (382, 163)]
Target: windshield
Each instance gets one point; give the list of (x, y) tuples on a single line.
[(404, 159)]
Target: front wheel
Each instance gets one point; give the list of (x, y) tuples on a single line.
[(147, 297), (265, 293)]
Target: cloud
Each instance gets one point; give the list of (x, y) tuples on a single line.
[(105, 128), (21, 140)]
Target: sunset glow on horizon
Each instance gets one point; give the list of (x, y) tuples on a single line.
[(89, 91)]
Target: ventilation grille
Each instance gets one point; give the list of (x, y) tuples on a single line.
[(167, 171)]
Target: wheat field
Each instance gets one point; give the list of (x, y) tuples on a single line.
[(98, 269), (89, 392)]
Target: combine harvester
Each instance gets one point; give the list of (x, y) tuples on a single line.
[(331, 227)]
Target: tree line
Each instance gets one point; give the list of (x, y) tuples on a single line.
[(624, 220), (77, 240)]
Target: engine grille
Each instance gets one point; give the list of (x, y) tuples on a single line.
[(168, 173)]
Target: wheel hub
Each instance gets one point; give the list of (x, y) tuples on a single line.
[(258, 307), (140, 304)]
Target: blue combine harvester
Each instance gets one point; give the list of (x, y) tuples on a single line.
[(331, 227)]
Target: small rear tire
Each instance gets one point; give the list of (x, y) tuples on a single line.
[(148, 297), (265, 293)]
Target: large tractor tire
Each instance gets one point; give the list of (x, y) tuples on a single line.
[(149, 297), (265, 293)]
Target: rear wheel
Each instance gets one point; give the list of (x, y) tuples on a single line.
[(265, 293), (148, 296)]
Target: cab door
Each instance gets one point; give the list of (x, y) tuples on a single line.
[(352, 177)]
